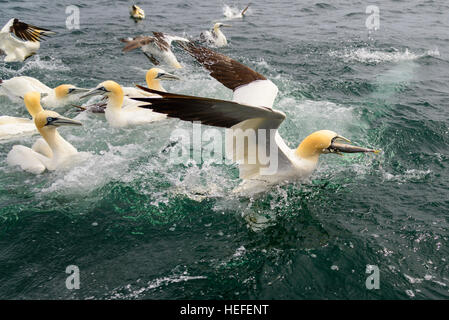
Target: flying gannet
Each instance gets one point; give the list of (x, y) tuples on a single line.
[(156, 48), (137, 13), (120, 115), (15, 126), (51, 154), (251, 109), (19, 40), (16, 88), (153, 79), (215, 36)]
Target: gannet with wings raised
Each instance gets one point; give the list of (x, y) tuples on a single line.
[(20, 41), (251, 109)]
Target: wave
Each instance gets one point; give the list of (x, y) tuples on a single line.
[(366, 55)]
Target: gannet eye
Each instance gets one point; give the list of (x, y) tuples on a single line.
[(103, 89), (71, 90), (50, 120)]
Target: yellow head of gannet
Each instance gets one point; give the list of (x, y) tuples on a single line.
[(112, 90), (48, 121), (218, 25), (57, 150), (154, 76), (33, 103), (66, 90), (319, 142), (137, 12)]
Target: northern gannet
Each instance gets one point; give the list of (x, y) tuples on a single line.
[(234, 13), (20, 41), (16, 88), (215, 36), (157, 48), (116, 113), (153, 78), (251, 109), (14, 126), (137, 13), (51, 153)]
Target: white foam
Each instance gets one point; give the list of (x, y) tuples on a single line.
[(232, 12), (377, 56)]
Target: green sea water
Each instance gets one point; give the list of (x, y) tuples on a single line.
[(139, 227)]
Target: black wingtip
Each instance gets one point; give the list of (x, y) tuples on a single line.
[(161, 93)]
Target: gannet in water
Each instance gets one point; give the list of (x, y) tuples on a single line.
[(137, 13), (250, 112), (20, 41), (156, 48), (116, 113), (16, 88), (14, 126), (51, 154), (215, 36), (153, 79), (233, 13)]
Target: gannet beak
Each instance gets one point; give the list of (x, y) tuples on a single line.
[(62, 121), (339, 147), (95, 92), (226, 25), (78, 90), (167, 76)]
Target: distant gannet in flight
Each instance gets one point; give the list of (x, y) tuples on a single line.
[(137, 13), (116, 113), (156, 48), (16, 88), (14, 126), (250, 111), (20, 41), (215, 36), (54, 153)]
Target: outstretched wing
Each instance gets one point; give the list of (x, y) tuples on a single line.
[(253, 129), (137, 42), (232, 74), (213, 112), (249, 86), (246, 9), (28, 32)]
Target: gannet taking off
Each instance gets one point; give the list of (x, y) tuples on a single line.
[(16, 88), (20, 41), (250, 111), (14, 126), (116, 114), (137, 13), (215, 36), (57, 151), (156, 48)]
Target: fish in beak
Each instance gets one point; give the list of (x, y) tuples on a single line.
[(60, 121), (167, 76), (339, 147)]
